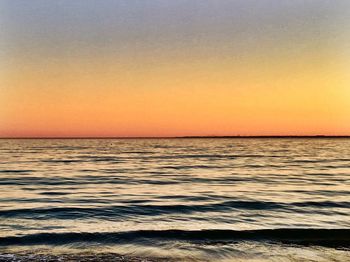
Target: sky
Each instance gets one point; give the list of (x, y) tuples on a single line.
[(94, 68)]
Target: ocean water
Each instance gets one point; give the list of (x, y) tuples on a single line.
[(183, 199)]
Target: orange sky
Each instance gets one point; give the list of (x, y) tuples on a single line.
[(156, 75)]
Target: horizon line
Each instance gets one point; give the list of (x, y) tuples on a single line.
[(180, 137)]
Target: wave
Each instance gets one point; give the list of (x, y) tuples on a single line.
[(16, 171), (153, 155), (335, 238), (121, 211)]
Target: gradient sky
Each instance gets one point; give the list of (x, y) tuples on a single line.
[(173, 68)]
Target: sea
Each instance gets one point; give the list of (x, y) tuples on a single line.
[(179, 199)]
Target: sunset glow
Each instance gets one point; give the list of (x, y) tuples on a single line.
[(174, 68)]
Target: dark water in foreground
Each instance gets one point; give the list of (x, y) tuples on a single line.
[(191, 199)]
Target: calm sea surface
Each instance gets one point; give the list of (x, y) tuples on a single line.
[(199, 199)]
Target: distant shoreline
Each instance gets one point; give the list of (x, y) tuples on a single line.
[(185, 137)]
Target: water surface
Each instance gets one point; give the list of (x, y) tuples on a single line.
[(214, 199)]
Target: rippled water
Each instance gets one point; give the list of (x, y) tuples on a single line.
[(211, 199)]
